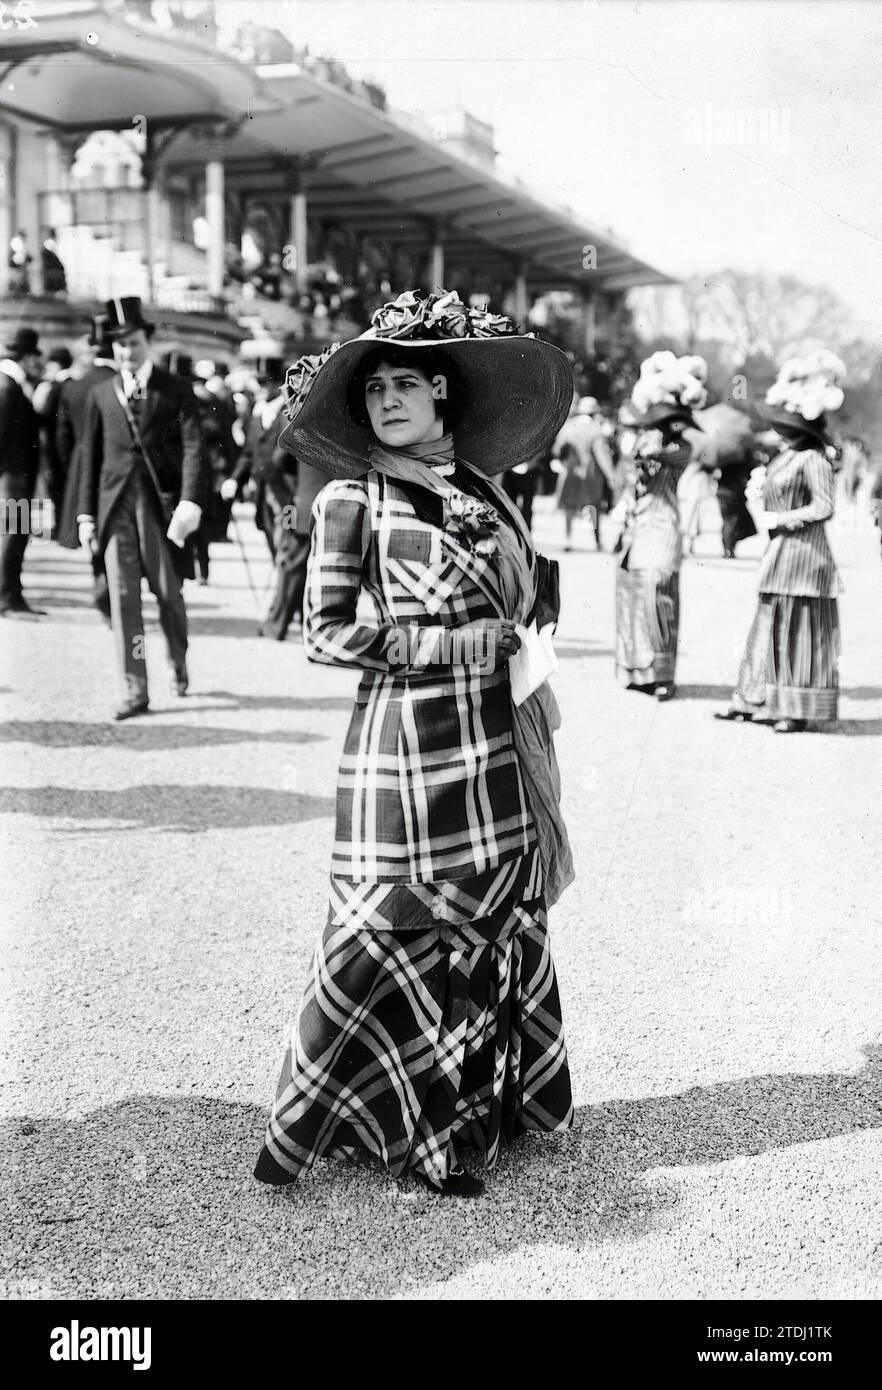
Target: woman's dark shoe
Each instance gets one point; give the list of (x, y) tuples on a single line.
[(458, 1183), (643, 689), (665, 692), (789, 726), (735, 716), (269, 1171)]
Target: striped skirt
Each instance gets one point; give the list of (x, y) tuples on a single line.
[(647, 624), (413, 1043), (789, 669)]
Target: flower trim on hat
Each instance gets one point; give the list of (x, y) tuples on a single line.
[(666, 379), (441, 314), (809, 386), (300, 376), (433, 317)]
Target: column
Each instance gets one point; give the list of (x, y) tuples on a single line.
[(589, 322), (437, 257), (522, 306), (214, 216), (297, 224), (151, 219), (7, 204), (30, 182)]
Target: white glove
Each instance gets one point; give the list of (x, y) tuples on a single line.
[(228, 490), (86, 532), (185, 519)]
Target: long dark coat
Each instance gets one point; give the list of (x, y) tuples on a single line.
[(170, 429)]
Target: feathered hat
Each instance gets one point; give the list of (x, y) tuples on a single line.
[(669, 388), (516, 391), (807, 388)]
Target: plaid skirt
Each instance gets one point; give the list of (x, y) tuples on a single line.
[(790, 666), (647, 625), (414, 1041)]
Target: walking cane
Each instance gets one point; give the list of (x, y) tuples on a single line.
[(247, 565)]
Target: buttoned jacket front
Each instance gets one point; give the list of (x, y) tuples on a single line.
[(430, 787)]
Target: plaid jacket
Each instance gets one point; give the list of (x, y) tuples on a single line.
[(430, 785)]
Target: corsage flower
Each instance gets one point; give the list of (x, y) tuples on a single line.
[(473, 523)]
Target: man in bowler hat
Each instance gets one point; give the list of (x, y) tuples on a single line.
[(142, 487), (21, 368)]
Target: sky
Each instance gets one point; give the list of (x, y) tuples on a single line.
[(707, 133)]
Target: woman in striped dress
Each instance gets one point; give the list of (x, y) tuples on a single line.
[(431, 1022), (648, 579), (789, 670)]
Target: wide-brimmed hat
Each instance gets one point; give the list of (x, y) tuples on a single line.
[(805, 391), (125, 315), (792, 423), (664, 413), (669, 388), (514, 391), (23, 343)]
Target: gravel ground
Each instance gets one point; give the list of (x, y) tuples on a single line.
[(719, 959)]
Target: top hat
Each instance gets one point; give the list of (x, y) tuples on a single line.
[(98, 336), (125, 316), (24, 342), (517, 391)]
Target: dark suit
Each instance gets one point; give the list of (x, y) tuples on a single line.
[(70, 430), (272, 469), (169, 426), (117, 489), (292, 551), (19, 464)]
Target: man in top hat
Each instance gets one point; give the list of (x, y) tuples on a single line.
[(142, 485), (20, 370), (70, 431)]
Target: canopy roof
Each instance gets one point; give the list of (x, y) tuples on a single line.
[(88, 68), (394, 181), (83, 67)]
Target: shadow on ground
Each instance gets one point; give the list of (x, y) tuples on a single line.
[(191, 807), (152, 1197), (293, 702), (143, 737), (574, 648)]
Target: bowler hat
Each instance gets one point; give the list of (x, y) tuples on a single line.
[(125, 315), (24, 342)]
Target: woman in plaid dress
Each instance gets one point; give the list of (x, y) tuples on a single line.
[(789, 673), (431, 1022)]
